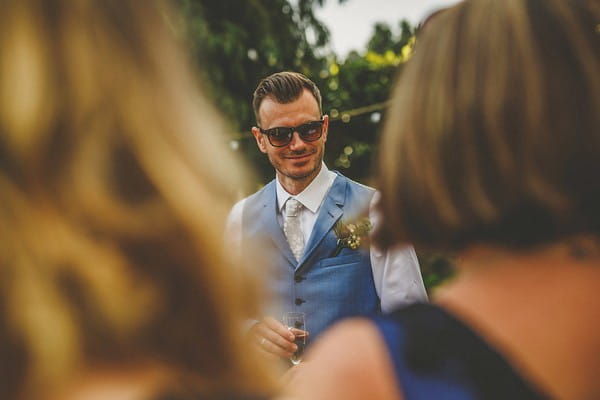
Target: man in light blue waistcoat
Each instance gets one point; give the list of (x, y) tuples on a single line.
[(295, 215)]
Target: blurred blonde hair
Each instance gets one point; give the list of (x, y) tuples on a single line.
[(494, 131), (114, 184)]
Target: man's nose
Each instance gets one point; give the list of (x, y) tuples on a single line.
[(297, 142)]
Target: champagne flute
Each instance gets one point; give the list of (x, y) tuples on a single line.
[(296, 323)]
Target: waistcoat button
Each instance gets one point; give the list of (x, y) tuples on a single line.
[(299, 301)]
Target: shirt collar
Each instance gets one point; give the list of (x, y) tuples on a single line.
[(312, 196)]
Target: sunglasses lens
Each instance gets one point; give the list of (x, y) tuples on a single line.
[(311, 131), (280, 136)]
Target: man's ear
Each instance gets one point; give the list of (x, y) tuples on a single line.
[(325, 127), (260, 139)]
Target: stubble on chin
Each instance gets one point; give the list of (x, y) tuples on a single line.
[(300, 175), (312, 173)]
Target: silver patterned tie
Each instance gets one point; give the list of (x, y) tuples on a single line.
[(292, 227)]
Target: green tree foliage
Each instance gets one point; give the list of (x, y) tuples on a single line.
[(382, 39), (357, 92)]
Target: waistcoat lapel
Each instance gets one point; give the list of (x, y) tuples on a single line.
[(331, 210), (260, 215), (268, 217)]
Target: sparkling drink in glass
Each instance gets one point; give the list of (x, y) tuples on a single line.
[(296, 323)]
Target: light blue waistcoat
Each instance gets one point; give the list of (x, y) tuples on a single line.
[(325, 288)]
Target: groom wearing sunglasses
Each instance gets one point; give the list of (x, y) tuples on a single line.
[(295, 215)]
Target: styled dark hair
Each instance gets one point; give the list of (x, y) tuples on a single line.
[(493, 135), (285, 87)]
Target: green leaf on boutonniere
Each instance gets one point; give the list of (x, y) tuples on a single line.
[(351, 235)]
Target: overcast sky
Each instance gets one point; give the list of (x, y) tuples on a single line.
[(351, 23)]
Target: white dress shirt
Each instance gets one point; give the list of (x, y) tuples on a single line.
[(396, 273)]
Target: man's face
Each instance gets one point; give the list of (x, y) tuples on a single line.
[(299, 161)]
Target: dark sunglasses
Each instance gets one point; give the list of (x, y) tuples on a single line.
[(282, 136)]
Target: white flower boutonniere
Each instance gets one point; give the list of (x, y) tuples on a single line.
[(351, 235)]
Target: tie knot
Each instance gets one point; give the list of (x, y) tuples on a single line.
[(292, 207)]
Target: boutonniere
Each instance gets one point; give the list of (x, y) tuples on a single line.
[(351, 235)]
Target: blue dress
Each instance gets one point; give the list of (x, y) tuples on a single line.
[(437, 357)]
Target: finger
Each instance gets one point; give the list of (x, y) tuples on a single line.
[(278, 327), (298, 332), (277, 333), (273, 348), (273, 342), (267, 324)]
